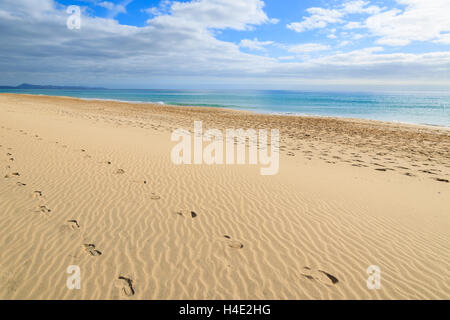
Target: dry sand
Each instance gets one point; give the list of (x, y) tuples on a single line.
[(95, 187)]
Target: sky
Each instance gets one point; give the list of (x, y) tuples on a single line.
[(230, 44)]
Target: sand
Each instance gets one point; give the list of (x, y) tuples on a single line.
[(91, 184)]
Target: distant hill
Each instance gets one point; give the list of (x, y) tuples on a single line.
[(33, 86)]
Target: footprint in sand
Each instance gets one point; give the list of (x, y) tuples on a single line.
[(233, 243), (441, 180), (42, 209), (291, 154), (20, 184), (37, 194), (154, 196), (90, 248), (126, 286), (119, 171), (73, 224), (193, 214), (69, 227), (12, 175), (319, 276), (140, 181)]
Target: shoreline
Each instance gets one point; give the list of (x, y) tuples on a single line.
[(236, 109)]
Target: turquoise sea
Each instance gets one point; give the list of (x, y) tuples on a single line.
[(418, 108)]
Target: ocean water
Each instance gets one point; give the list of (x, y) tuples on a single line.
[(429, 108)]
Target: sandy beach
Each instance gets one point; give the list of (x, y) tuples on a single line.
[(91, 183)]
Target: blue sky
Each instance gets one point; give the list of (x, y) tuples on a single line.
[(291, 44)]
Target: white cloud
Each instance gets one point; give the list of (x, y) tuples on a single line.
[(162, 8), (374, 58), (286, 58), (413, 20), (343, 43), (372, 65), (394, 42), (357, 36), (443, 38), (307, 47), (106, 4), (254, 44), (353, 25), (421, 20), (274, 21), (320, 17), (153, 11), (114, 9), (220, 14), (359, 6)]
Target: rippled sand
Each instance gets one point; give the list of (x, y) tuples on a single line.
[(91, 184)]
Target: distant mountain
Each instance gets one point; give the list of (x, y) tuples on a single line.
[(33, 86)]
